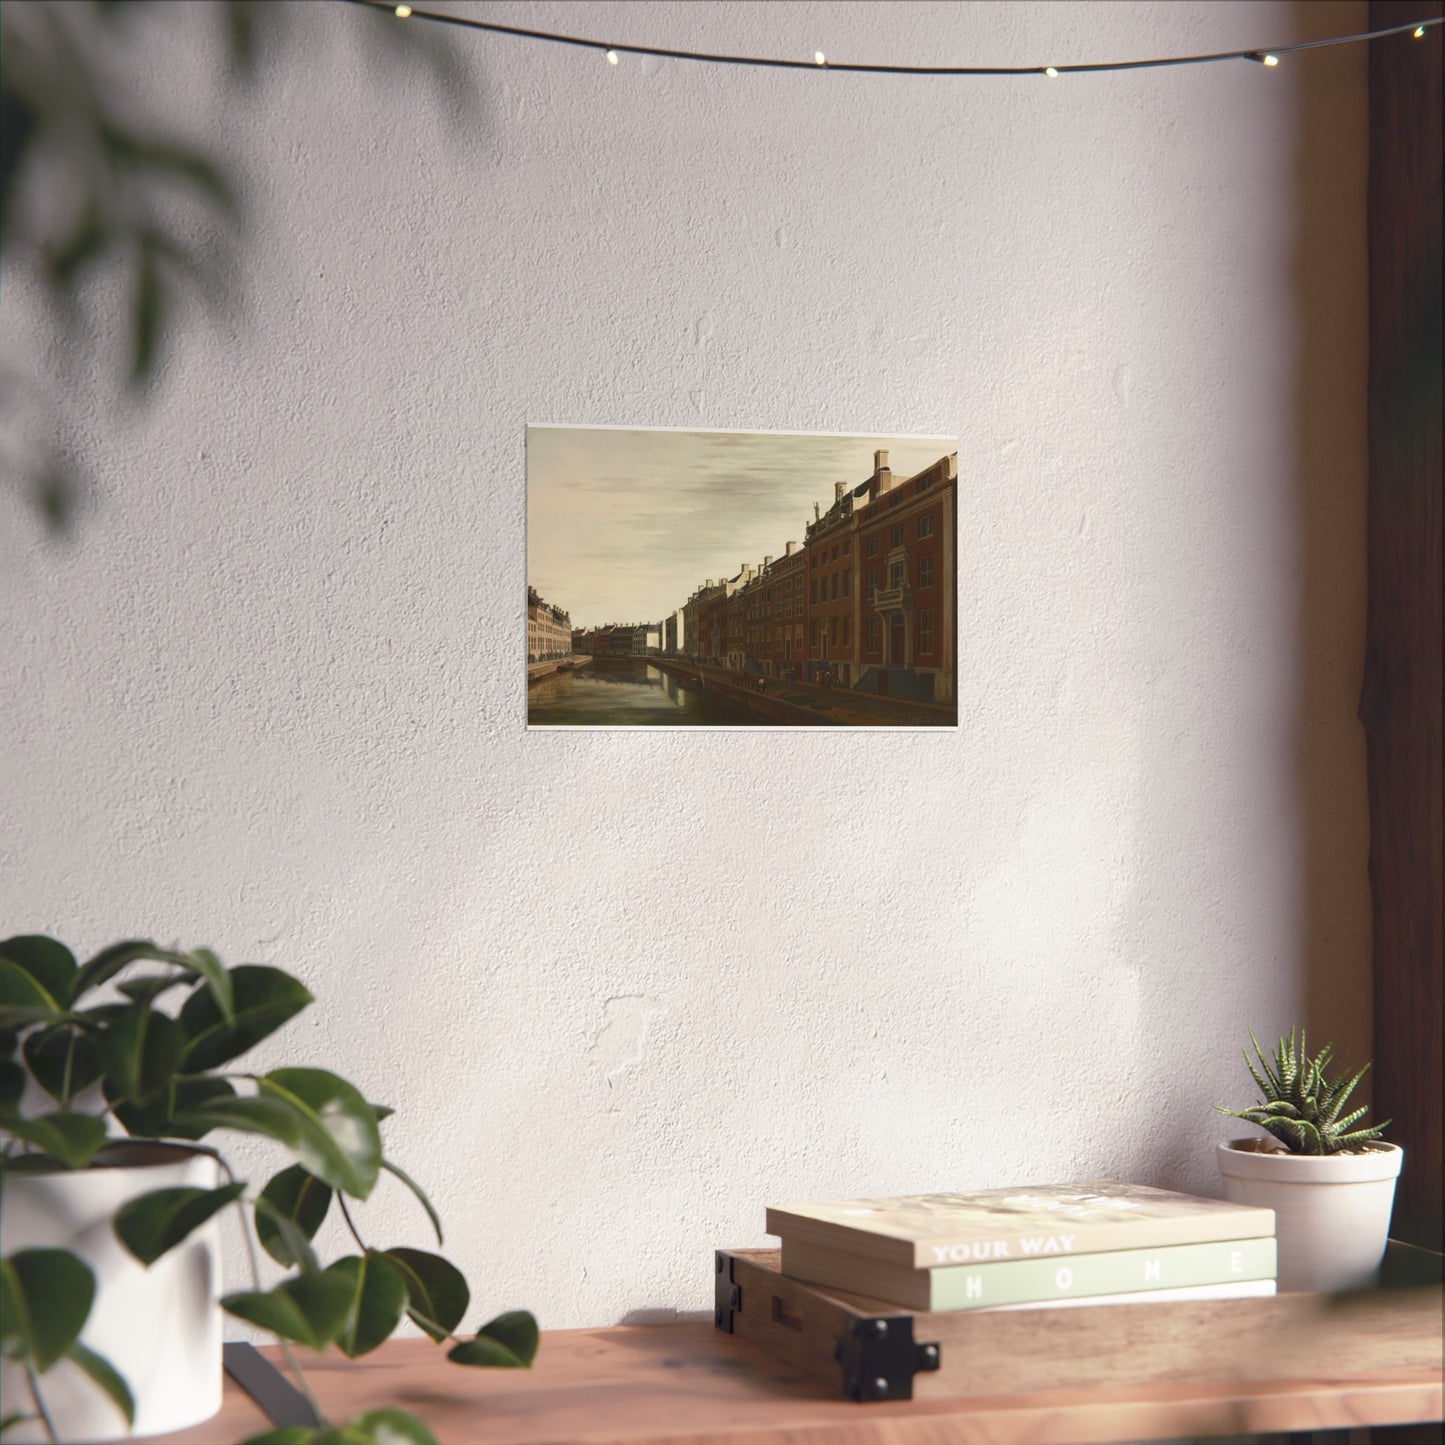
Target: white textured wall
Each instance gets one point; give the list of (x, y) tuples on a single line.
[(624, 989)]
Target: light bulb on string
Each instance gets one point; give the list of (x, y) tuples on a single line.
[(1260, 57)]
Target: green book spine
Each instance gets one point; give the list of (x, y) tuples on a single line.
[(1027, 1281)]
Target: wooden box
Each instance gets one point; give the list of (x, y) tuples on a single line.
[(871, 1350)]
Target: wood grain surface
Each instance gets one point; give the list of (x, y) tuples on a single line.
[(670, 1384)]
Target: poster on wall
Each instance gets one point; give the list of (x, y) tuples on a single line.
[(734, 579)]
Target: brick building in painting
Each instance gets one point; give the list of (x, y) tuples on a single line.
[(869, 599)]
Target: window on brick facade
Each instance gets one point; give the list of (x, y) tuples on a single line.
[(896, 537), (813, 592), (875, 634), (847, 548), (847, 631), (925, 571), (847, 584), (925, 525), (872, 583), (895, 574), (835, 587), (835, 554), (873, 546), (813, 560), (815, 635), (925, 631)]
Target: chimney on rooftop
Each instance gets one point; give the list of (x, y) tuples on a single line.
[(882, 474), (767, 562), (792, 547)]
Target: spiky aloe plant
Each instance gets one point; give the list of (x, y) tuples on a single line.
[(1301, 1108)]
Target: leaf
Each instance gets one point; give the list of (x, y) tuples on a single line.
[(296, 1243), (104, 1374), (264, 998), (507, 1342), (382, 1111), (109, 962), (148, 989), (23, 999), (48, 1053), (147, 316), (12, 1086), (310, 1310), (392, 1427), (72, 1139), (416, 1189), (50, 964), (165, 1116), (298, 1197), (141, 1051), (45, 1299), (210, 968), (378, 1296), (340, 1135), (10, 1421), (186, 1094), (151, 1224), (437, 1294)]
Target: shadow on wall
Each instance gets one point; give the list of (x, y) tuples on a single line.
[(1324, 902), (1331, 305)]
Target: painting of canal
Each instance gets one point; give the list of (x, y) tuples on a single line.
[(732, 579)]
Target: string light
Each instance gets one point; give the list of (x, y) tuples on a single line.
[(402, 11), (1258, 54)]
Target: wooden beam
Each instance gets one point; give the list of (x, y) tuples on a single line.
[(1400, 702)]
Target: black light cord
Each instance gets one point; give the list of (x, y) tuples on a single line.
[(612, 50)]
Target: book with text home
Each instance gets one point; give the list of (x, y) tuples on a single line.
[(924, 1231), (1033, 1281)]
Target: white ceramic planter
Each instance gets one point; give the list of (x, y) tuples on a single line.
[(1331, 1212), (160, 1327)]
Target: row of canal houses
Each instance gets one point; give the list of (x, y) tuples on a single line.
[(869, 599)]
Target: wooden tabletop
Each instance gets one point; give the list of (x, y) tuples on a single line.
[(694, 1385)]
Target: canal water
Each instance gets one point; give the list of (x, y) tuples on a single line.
[(629, 693)]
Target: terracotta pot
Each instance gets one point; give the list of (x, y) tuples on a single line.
[(1331, 1211), (160, 1327)]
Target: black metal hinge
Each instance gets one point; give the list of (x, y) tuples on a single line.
[(880, 1358), (727, 1296)]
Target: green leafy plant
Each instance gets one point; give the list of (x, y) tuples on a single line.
[(1301, 1107), (171, 1075)]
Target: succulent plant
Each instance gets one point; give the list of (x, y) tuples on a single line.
[(1301, 1108)]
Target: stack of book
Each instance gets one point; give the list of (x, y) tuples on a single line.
[(1031, 1247)]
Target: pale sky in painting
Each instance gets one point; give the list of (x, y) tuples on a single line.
[(624, 525)]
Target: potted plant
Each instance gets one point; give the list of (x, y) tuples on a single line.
[(110, 1191), (1331, 1186)]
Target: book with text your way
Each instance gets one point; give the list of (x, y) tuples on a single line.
[(1032, 1222)]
